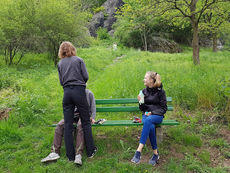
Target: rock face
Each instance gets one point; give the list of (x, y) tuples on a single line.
[(158, 44), (105, 19), (207, 42)]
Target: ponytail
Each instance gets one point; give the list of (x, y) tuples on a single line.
[(156, 78)]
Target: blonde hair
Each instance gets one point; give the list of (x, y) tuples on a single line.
[(156, 78), (66, 49)]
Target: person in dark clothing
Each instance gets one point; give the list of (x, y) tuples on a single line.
[(153, 108), (73, 77), (59, 131)]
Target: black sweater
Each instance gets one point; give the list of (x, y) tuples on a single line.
[(72, 71), (154, 101)]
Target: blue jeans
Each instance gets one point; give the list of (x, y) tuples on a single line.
[(149, 129)]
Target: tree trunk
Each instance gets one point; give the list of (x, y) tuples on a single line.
[(195, 45), (145, 41), (214, 42), (195, 39)]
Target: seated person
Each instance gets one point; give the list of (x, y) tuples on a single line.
[(59, 131)]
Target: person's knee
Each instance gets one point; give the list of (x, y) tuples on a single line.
[(147, 122)]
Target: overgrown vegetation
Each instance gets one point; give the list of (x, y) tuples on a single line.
[(33, 92)]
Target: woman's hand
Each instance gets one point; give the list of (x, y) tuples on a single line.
[(92, 120), (148, 113), (139, 98)]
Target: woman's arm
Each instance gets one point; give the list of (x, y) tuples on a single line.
[(163, 101), (84, 72)]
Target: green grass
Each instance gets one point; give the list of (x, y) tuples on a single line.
[(33, 92)]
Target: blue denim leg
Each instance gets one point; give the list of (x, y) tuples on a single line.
[(149, 129)]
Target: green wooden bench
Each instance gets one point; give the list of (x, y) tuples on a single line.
[(123, 105), (128, 105)]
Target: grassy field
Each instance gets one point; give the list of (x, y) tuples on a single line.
[(30, 94)]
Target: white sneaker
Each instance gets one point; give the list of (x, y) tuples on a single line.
[(52, 156), (78, 159)]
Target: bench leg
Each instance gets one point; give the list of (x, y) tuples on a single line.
[(159, 134)]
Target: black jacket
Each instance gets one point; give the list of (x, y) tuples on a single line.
[(154, 101)]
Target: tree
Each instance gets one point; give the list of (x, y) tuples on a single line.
[(59, 21), (136, 16), (16, 27), (215, 20), (191, 9)]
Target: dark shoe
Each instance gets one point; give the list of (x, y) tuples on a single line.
[(136, 158), (154, 159), (94, 152)]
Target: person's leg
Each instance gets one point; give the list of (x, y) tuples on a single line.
[(83, 107), (55, 149), (137, 156), (140, 146), (57, 142), (68, 109), (150, 124), (153, 139), (155, 119), (79, 143), (79, 139)]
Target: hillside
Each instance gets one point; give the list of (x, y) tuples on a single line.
[(31, 100)]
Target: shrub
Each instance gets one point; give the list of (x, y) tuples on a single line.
[(102, 34)]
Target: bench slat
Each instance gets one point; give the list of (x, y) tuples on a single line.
[(130, 123), (122, 101), (123, 109)]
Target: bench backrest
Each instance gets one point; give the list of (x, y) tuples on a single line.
[(124, 105)]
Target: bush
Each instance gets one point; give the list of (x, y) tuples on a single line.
[(102, 34)]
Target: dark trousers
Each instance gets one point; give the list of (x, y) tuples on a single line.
[(75, 95)]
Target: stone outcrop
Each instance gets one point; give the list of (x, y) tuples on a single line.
[(158, 44), (105, 18), (207, 42)]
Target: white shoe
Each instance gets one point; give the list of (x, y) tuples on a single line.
[(52, 156), (78, 159)]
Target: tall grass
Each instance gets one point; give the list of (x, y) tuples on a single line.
[(33, 92), (190, 86)]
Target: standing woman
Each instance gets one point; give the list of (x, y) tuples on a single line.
[(73, 77), (153, 109)]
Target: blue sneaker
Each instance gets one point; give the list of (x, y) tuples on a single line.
[(136, 158), (154, 159)]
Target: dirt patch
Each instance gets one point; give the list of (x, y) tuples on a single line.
[(225, 133), (4, 113), (227, 163)]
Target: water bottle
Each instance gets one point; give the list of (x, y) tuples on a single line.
[(142, 97)]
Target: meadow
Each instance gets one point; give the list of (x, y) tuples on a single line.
[(32, 95)]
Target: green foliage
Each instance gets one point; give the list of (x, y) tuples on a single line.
[(205, 157), (102, 34), (33, 92), (16, 27), (99, 9), (209, 129), (135, 17), (40, 26), (220, 143), (180, 135), (70, 26), (173, 166), (223, 91), (9, 134)]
